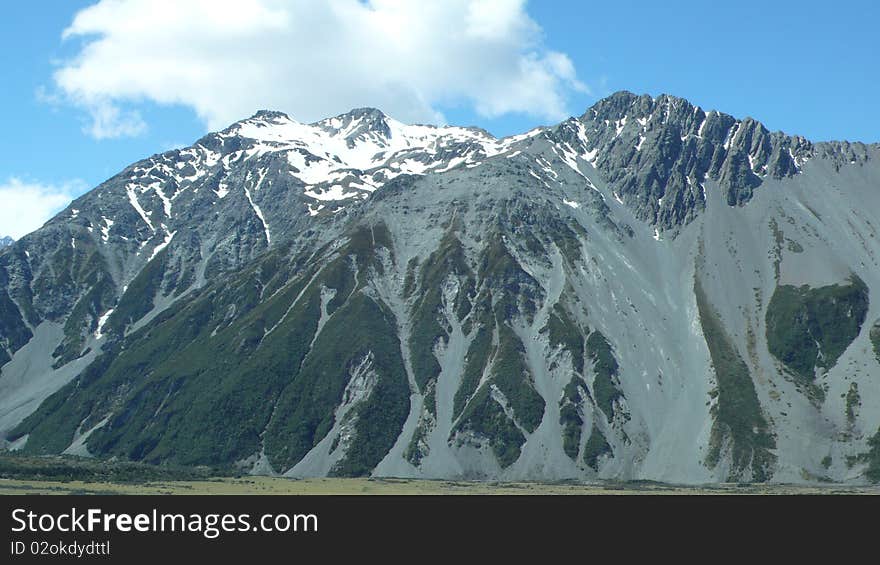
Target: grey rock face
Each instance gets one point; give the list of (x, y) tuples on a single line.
[(658, 153), (607, 297)]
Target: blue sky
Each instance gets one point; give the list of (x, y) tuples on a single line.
[(120, 86)]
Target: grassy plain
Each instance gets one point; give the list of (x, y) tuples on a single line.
[(375, 486), (66, 475)]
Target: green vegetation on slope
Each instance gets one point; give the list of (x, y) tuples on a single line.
[(304, 413), (516, 289), (606, 368), (138, 299), (497, 347), (418, 446), (873, 458), (875, 339), (486, 417), (409, 282), (812, 327), (739, 421), (596, 447), (563, 331), (83, 320), (448, 260), (380, 417), (570, 417), (853, 401), (415, 449), (198, 384), (511, 375), (565, 237), (83, 284), (477, 358), (14, 333)]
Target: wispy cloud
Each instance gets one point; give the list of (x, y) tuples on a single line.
[(27, 205), (228, 58)]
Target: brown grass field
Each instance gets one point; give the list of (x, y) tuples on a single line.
[(374, 486), (27, 474)]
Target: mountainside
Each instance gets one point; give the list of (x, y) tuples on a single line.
[(648, 291), (6, 240)]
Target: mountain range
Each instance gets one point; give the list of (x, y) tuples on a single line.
[(646, 291)]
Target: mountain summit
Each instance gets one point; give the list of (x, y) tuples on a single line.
[(647, 291)]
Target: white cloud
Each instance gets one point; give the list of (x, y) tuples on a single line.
[(25, 205), (109, 121), (228, 58)]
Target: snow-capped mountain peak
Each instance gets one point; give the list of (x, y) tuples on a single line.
[(352, 154)]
